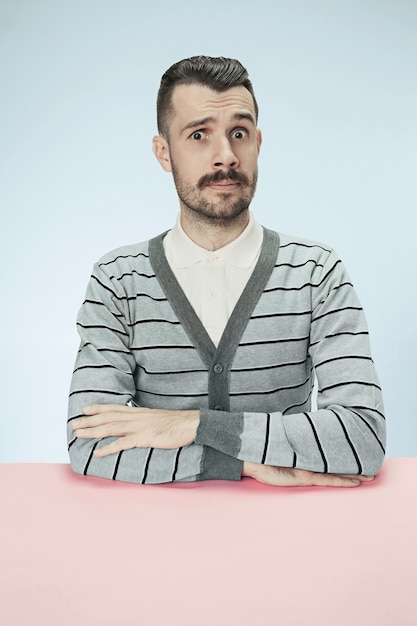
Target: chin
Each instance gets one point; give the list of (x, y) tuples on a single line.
[(222, 215)]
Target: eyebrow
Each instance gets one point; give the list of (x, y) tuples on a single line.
[(210, 120)]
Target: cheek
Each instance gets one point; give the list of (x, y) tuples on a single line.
[(189, 164), (249, 158)]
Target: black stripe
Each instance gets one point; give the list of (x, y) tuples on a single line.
[(352, 447), (75, 417), (106, 287), (318, 443), (88, 301), (350, 382), (127, 256), (99, 367), (268, 367), (268, 420), (305, 245), (171, 373), (289, 288), (259, 317), (370, 428), (346, 308), (340, 358), (115, 350), (174, 473), (361, 332), (131, 274), (106, 391), (295, 406), (72, 442), (328, 273), (116, 467), (274, 341), (90, 456), (152, 321), (127, 298), (145, 473), (294, 462), (173, 395), (276, 390), (162, 347), (368, 408), (299, 264), (146, 295), (113, 330), (88, 343), (345, 284)]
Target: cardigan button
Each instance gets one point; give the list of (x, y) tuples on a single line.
[(218, 368), (218, 408)]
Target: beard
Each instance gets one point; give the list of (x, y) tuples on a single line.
[(227, 208)]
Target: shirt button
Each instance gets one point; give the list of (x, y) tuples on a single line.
[(218, 368), (214, 259), (213, 294)]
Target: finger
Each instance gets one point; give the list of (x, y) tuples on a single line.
[(357, 477), (97, 420), (112, 429), (331, 480), (95, 409), (122, 443)]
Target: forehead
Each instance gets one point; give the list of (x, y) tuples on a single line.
[(197, 102)]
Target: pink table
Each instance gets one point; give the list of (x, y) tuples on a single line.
[(82, 551)]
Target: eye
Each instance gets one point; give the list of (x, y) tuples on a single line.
[(239, 133), (198, 135)]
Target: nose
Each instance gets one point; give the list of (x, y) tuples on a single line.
[(223, 154)]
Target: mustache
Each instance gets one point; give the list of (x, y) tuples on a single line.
[(220, 175)]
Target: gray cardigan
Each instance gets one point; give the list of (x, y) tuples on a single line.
[(298, 315)]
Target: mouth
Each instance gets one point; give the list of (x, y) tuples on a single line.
[(224, 185)]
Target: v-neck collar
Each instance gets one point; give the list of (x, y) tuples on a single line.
[(226, 349)]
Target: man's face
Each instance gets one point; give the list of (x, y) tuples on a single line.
[(213, 150)]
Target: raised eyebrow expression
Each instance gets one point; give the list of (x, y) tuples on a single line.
[(209, 120)]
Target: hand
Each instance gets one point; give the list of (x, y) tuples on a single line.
[(136, 427), (289, 477)]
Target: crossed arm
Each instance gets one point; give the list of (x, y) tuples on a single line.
[(137, 427)]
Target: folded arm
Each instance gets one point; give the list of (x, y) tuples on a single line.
[(346, 434), (104, 375)]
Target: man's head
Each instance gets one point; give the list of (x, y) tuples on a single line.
[(207, 119), (217, 73)]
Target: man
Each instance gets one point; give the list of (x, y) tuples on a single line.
[(199, 347)]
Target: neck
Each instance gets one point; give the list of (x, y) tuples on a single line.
[(211, 234)]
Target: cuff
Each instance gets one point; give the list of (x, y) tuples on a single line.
[(220, 430), (219, 466)]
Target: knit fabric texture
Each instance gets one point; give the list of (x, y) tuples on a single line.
[(298, 317)]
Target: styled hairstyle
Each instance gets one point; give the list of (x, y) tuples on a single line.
[(217, 73)]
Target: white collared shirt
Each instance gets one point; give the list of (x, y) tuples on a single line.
[(213, 281)]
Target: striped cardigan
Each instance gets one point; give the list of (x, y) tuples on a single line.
[(141, 342)]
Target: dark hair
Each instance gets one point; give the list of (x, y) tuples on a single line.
[(218, 73)]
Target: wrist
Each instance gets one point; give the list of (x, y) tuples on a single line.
[(193, 419), (249, 469)]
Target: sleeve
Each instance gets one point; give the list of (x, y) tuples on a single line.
[(346, 434), (105, 373)]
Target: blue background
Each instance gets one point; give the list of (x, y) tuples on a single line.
[(336, 85)]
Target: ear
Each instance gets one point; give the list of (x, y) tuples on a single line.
[(258, 138), (160, 149)]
